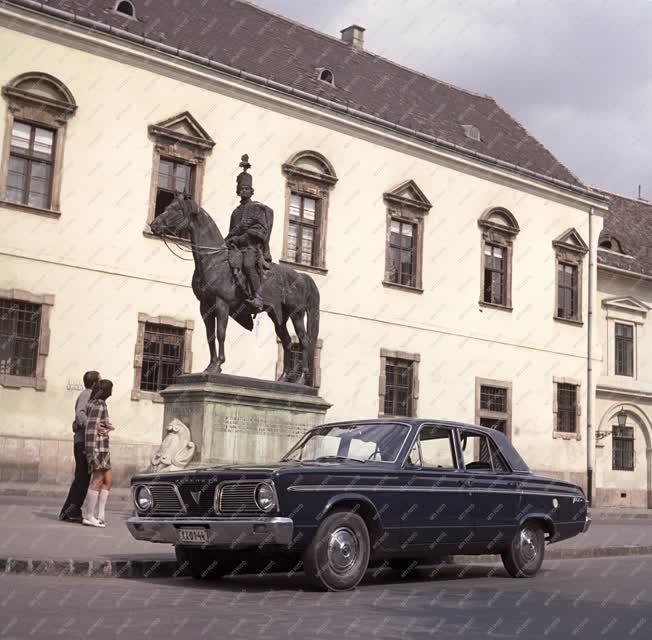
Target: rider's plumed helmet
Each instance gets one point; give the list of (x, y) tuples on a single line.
[(244, 179)]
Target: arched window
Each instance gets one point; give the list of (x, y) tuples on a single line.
[(499, 228), (39, 107), (310, 177), (126, 8), (326, 75)]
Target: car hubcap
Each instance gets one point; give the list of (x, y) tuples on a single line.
[(343, 549), (528, 545)]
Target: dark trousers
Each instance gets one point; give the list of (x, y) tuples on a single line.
[(72, 506)]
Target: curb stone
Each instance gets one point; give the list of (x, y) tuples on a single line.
[(100, 568)]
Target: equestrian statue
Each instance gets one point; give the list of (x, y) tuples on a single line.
[(235, 276)]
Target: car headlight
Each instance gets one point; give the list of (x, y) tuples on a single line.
[(143, 498), (265, 497)]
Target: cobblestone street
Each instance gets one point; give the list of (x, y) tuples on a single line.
[(607, 598)]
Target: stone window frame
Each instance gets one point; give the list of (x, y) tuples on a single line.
[(498, 227), (313, 184), (46, 302), (564, 435), (316, 364), (484, 413), (180, 147), (570, 249), (623, 310), (39, 109), (415, 358), (143, 319), (411, 210)]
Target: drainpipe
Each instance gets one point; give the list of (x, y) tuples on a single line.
[(589, 372)]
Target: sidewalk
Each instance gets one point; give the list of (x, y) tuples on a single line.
[(34, 541)]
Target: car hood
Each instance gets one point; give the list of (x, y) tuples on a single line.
[(255, 470)]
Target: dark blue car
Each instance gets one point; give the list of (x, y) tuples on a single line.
[(352, 494)]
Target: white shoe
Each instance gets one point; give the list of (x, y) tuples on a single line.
[(92, 521)]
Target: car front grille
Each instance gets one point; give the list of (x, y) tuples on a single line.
[(166, 500), (198, 499), (237, 498)]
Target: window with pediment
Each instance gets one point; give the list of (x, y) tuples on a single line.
[(39, 107), (310, 178), (570, 250), (626, 318), (181, 147), (407, 207), (499, 228)]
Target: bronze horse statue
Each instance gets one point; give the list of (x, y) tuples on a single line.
[(287, 294)]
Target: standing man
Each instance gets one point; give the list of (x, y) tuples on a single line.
[(251, 226), (71, 510)]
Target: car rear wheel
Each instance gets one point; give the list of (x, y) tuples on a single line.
[(524, 557), (338, 556), (203, 564)]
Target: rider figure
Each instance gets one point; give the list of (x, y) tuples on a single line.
[(251, 225)]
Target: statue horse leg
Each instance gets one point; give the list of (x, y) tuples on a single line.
[(222, 313), (302, 335), (286, 343), (208, 315)]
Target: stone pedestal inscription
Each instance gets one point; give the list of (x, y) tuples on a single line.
[(233, 419)]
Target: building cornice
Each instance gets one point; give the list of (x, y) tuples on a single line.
[(623, 391), (40, 17), (624, 272)]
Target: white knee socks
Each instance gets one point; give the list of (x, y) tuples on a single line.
[(104, 495), (90, 503)]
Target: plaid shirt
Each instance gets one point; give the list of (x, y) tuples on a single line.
[(97, 413)]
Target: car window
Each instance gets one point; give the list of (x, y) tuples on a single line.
[(480, 452), (433, 449)]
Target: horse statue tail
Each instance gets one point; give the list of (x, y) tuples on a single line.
[(312, 311)]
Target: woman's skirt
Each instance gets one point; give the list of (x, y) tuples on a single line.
[(99, 461)]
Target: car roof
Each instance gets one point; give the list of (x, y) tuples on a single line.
[(513, 457)]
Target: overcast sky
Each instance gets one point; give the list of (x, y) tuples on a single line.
[(576, 73)]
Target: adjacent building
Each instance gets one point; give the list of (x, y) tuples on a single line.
[(623, 453), (457, 259)]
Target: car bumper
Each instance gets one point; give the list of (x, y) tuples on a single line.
[(228, 533), (587, 523)]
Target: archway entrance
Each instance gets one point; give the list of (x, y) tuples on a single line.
[(623, 457)]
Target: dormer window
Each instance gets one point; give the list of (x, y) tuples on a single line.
[(326, 75), (472, 132), (609, 243), (126, 8)]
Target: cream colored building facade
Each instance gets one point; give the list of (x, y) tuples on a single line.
[(623, 453), (99, 276)]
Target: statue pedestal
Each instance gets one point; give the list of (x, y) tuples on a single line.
[(233, 419)]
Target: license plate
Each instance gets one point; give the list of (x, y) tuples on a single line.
[(193, 536)]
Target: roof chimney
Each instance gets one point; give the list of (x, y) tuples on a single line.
[(354, 35)]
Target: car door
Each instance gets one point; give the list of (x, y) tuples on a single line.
[(491, 488), (432, 503)]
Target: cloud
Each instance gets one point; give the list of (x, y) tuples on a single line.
[(575, 74)]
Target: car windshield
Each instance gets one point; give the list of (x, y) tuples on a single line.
[(380, 442)]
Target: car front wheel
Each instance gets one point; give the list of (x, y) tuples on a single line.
[(338, 556), (525, 554)]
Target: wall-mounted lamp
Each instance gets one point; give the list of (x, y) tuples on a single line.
[(621, 417)]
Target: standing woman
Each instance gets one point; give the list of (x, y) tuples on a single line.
[(97, 454)]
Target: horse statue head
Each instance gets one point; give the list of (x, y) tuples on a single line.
[(176, 218)]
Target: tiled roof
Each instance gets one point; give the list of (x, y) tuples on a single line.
[(628, 222), (247, 37)]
